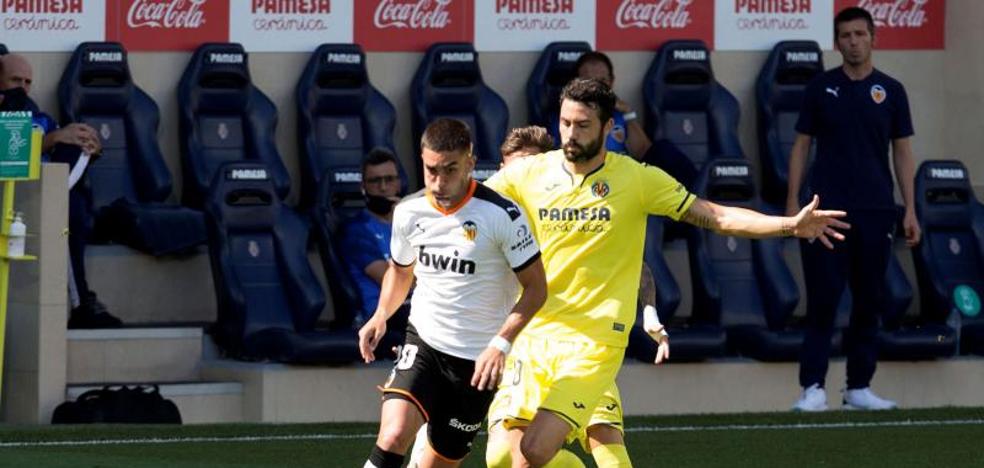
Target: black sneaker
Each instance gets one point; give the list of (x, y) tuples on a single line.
[(92, 314)]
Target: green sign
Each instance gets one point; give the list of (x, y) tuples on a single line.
[(967, 300), (15, 145)]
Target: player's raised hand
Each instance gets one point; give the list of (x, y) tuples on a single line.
[(369, 336), (663, 351), (488, 369), (811, 223), (656, 331)]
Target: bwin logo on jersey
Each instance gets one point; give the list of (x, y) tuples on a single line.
[(446, 263)]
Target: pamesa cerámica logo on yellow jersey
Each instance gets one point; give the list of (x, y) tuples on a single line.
[(590, 220)]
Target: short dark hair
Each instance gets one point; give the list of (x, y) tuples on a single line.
[(851, 14), (532, 136), (446, 135), (594, 56), (378, 156), (592, 93)]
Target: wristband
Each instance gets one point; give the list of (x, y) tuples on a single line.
[(629, 116), (501, 344), (650, 321)]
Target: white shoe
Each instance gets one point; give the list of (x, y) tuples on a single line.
[(865, 399), (812, 399)]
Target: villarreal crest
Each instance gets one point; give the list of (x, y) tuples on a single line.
[(600, 189)]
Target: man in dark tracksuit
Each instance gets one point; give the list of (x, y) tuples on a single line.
[(854, 112)]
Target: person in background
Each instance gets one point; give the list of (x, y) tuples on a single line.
[(64, 144), (855, 112), (365, 238), (627, 135)]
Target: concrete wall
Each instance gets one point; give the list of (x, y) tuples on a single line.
[(34, 358), (963, 94), (944, 88)]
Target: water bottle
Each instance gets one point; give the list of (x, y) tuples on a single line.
[(15, 239)]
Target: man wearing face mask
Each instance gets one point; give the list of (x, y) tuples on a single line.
[(365, 238), (62, 144)]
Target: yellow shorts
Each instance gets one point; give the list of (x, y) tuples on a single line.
[(573, 379), (607, 411)]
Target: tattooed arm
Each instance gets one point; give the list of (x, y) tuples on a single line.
[(809, 223), (647, 287)]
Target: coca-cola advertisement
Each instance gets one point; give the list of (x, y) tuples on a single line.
[(289, 25), (411, 25), (167, 24), (508, 25), (646, 24), (758, 25), (50, 26), (905, 24)]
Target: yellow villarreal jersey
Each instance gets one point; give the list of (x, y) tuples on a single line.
[(591, 231)]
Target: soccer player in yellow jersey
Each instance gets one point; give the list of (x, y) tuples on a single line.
[(588, 209)]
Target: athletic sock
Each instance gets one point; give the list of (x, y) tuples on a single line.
[(611, 455), (498, 455), (380, 458), (564, 459)]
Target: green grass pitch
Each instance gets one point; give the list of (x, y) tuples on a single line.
[(950, 437)]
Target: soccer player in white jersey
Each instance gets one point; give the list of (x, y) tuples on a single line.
[(467, 246)]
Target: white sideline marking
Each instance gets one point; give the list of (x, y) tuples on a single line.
[(184, 440), (841, 425), (731, 427)]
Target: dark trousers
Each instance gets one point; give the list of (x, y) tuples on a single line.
[(80, 217), (79, 227), (860, 262)]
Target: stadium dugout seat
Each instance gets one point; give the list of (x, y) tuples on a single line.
[(778, 96), (340, 117), (743, 284), (448, 83), (689, 343), (923, 336), (950, 260), (553, 70), (268, 297), (687, 106), (345, 296), (130, 182), (327, 223), (222, 118)]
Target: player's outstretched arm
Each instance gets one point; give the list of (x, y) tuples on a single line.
[(492, 361), (809, 223), (396, 285)]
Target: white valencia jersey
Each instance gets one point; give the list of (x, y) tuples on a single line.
[(465, 259)]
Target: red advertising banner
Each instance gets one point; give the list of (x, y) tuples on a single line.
[(167, 24), (646, 24), (411, 25), (904, 24)]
